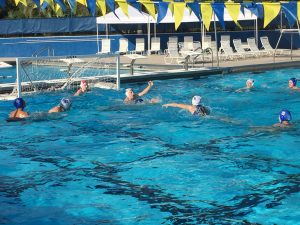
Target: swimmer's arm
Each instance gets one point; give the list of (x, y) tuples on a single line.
[(240, 89), (145, 91), (182, 106), (78, 92)]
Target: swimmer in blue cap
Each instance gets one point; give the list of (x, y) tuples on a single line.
[(131, 97), (64, 105), (293, 83), (284, 118), (20, 104), (195, 109), (249, 85)]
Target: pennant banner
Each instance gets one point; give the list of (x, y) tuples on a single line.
[(2, 3), (111, 5), (135, 4), (124, 6), (290, 12), (150, 8), (102, 6), (298, 10), (195, 7), (271, 10), (162, 9), (37, 2), (82, 2), (234, 11), (219, 12), (72, 4), (60, 5), (206, 12), (24, 2), (91, 5), (178, 13)]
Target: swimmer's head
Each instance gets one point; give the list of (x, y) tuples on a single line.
[(285, 115), (196, 100), (19, 103), (292, 82), (83, 85), (129, 93), (250, 83), (65, 103)]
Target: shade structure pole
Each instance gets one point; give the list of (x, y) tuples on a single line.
[(154, 30), (148, 27), (215, 28), (98, 48), (256, 32), (106, 30)]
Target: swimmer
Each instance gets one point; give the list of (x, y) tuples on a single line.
[(20, 104), (64, 105), (131, 97), (83, 88), (249, 85), (293, 84), (195, 109), (284, 118)]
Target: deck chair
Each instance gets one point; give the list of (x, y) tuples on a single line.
[(225, 38), (139, 46), (173, 54), (253, 47), (105, 46), (155, 45), (123, 46), (206, 42), (187, 44), (226, 52), (267, 47), (237, 43)]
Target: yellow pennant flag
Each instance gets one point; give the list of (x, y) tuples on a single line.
[(150, 7), (82, 2), (51, 4), (178, 13), (102, 6), (206, 12), (234, 11), (124, 6), (271, 10), (298, 10), (24, 2), (58, 11)]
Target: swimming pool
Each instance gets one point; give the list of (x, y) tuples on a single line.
[(107, 163)]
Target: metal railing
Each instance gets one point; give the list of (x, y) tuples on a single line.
[(39, 52)]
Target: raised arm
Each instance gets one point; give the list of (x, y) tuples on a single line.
[(182, 106), (150, 84)]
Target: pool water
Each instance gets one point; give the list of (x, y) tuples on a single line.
[(104, 162)]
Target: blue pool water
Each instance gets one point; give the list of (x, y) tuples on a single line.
[(108, 163)]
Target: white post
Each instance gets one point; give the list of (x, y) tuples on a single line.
[(215, 28), (118, 72), (19, 89), (106, 30), (256, 32), (97, 37), (149, 36)]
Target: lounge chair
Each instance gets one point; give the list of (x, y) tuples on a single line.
[(226, 52), (105, 46), (173, 54), (139, 46), (267, 47), (187, 44), (155, 45), (239, 48), (123, 46), (253, 47)]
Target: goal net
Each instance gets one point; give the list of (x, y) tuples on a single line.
[(44, 74)]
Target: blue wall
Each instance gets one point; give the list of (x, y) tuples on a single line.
[(81, 45)]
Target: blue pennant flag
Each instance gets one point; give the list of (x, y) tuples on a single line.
[(72, 4), (251, 6), (2, 3), (135, 4), (290, 12), (162, 9), (195, 7), (44, 6), (219, 11), (37, 2), (111, 5), (260, 11), (91, 5), (62, 5)]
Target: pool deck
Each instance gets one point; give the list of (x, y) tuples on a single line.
[(160, 70)]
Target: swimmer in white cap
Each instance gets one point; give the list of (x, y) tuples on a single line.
[(131, 97), (249, 85), (64, 105), (195, 109)]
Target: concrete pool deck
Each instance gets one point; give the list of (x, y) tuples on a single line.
[(154, 67)]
